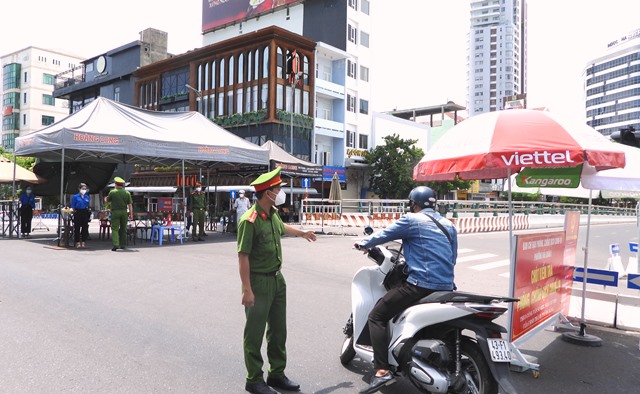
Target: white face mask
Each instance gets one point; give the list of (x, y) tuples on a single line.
[(280, 197), (28, 191), (198, 189), (83, 191)]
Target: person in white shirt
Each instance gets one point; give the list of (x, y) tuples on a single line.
[(241, 205)]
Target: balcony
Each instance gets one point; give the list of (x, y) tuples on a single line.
[(329, 89), (329, 128)]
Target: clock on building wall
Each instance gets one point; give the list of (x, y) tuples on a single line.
[(101, 64)]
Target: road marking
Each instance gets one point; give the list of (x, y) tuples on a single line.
[(505, 274), (488, 266), (475, 257), (460, 251)]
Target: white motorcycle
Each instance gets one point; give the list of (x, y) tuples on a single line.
[(445, 343)]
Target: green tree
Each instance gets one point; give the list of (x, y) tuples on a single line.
[(392, 167)]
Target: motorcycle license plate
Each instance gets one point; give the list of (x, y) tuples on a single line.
[(499, 350)]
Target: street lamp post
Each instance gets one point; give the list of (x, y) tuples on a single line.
[(199, 93), (295, 80)]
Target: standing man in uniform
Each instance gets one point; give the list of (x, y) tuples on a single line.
[(27, 205), (120, 201), (81, 204), (197, 205), (264, 290)]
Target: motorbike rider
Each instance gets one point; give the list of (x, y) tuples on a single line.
[(430, 258)]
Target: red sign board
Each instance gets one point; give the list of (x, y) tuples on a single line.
[(542, 280), (8, 110), (165, 204)]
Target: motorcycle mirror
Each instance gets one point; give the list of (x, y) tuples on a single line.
[(368, 230)]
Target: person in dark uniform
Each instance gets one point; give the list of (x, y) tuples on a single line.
[(120, 201), (263, 286), (80, 203), (27, 205), (197, 205)]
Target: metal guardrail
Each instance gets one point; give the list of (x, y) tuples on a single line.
[(454, 208)]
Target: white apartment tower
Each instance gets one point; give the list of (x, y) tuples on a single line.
[(28, 78), (612, 86), (497, 54)]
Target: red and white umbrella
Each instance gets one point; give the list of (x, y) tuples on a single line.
[(494, 145)]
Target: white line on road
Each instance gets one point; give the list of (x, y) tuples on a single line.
[(475, 257), (488, 266), (460, 251)]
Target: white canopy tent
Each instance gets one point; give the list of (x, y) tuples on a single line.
[(112, 132)]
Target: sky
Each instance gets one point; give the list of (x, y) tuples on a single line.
[(419, 47)]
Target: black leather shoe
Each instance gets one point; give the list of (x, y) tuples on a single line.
[(283, 383), (259, 388), (378, 382), (114, 248)]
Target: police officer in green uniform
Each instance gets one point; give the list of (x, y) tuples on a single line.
[(197, 205), (263, 286), (120, 201)]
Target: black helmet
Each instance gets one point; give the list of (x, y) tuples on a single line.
[(423, 197)]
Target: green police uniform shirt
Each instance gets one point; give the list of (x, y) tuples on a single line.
[(119, 199), (259, 235), (197, 200)]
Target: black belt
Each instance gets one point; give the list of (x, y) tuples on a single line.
[(272, 273)]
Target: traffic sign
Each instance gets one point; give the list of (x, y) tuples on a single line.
[(633, 281), (306, 182), (232, 194), (633, 247), (614, 249), (597, 277)]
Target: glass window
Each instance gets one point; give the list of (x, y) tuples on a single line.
[(47, 120), (352, 32), (10, 122), (363, 141), (364, 6), (364, 39), (48, 79), (364, 73), (48, 99), (364, 106), (11, 76)]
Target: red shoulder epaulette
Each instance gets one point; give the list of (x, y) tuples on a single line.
[(252, 217)]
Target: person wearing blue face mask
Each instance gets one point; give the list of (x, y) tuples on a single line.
[(27, 205), (81, 203)]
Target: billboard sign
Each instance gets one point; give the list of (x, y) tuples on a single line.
[(217, 13), (542, 281)]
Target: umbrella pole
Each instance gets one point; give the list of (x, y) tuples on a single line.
[(184, 200), (580, 337), (61, 204), (13, 206)]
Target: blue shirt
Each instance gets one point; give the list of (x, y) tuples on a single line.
[(429, 256), (28, 199), (78, 201)]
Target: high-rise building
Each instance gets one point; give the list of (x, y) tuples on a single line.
[(497, 54), (612, 86), (28, 78), (342, 91)]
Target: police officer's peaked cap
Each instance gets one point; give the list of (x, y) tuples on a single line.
[(118, 180), (198, 184), (268, 180)]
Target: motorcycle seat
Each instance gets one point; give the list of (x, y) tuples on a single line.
[(444, 297)]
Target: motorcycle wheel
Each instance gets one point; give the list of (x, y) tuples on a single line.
[(347, 353), (476, 370)]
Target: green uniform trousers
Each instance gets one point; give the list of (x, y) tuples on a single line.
[(270, 312), (119, 220), (198, 223)]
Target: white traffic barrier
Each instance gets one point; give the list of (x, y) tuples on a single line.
[(632, 265), (614, 262)]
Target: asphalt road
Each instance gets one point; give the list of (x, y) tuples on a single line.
[(168, 319)]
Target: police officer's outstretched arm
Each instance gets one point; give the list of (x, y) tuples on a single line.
[(308, 235)]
